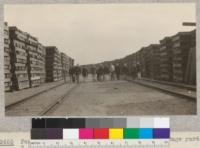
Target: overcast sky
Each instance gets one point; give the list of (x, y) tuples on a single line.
[(92, 33)]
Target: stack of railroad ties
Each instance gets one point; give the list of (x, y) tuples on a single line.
[(173, 60), (25, 61)]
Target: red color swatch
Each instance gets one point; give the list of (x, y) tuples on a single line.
[(101, 133)]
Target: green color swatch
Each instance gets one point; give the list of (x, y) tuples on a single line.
[(131, 133)]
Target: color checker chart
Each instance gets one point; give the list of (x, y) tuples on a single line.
[(80, 132)]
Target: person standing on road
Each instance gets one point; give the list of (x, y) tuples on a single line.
[(117, 71), (125, 71), (138, 69), (93, 72), (100, 73), (103, 73), (112, 72), (84, 73), (77, 71), (106, 72)]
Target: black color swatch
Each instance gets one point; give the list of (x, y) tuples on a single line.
[(38, 123), (65, 123)]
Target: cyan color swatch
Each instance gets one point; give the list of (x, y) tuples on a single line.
[(145, 133)]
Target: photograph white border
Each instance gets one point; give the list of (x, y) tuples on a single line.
[(177, 123)]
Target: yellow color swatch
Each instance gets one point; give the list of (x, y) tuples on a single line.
[(116, 133)]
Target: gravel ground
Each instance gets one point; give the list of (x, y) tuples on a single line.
[(112, 98), (122, 98)]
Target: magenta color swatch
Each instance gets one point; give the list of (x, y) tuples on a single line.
[(86, 133)]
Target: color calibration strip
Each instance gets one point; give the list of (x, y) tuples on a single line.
[(101, 133), (100, 128)]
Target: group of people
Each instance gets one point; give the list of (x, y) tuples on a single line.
[(104, 72), (76, 71)]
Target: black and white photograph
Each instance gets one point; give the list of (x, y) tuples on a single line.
[(100, 60)]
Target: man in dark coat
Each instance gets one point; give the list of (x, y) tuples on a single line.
[(100, 73), (117, 71), (124, 71), (93, 72), (84, 73)]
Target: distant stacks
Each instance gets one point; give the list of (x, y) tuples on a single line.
[(142, 62), (53, 66), (71, 62), (42, 62), (66, 64), (166, 60), (148, 59), (7, 65), (152, 61), (28, 63)]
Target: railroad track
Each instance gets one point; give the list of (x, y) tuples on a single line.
[(10, 106), (57, 102), (168, 91)]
